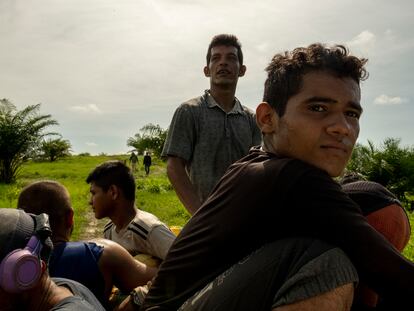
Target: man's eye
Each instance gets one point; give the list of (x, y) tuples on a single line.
[(317, 108), (353, 114)]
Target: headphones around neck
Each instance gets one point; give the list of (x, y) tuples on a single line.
[(21, 269)]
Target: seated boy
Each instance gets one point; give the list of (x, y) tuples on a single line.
[(113, 195)]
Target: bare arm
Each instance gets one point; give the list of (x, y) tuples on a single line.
[(119, 268), (182, 185)]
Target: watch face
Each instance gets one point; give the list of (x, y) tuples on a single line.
[(138, 294), (135, 298)]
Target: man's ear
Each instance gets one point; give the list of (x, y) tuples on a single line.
[(113, 192), (266, 118), (70, 220), (206, 71), (242, 70), (43, 265)]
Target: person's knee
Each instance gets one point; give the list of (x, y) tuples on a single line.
[(338, 299)]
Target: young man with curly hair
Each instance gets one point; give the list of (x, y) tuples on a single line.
[(277, 232)]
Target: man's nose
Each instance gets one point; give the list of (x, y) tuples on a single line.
[(223, 61), (339, 125)]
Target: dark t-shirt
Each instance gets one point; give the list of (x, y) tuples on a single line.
[(147, 160), (82, 299), (262, 198)]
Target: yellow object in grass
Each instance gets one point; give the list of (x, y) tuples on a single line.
[(176, 229)]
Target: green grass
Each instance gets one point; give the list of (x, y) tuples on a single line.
[(409, 249), (154, 192), (156, 195)]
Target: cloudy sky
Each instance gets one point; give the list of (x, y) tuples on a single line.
[(105, 68)]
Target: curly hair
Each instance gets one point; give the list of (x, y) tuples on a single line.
[(286, 70), (226, 40)]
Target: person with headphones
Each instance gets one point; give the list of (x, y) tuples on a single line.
[(99, 264), (25, 284)]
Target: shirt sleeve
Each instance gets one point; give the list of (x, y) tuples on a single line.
[(160, 239), (181, 134), (256, 133), (107, 234)]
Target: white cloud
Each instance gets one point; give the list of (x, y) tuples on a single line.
[(263, 47), (85, 109), (91, 144), (363, 41), (388, 33), (388, 100)]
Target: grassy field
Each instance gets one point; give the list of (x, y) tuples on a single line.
[(154, 193)]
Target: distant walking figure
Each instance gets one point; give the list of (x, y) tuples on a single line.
[(133, 159), (147, 162)]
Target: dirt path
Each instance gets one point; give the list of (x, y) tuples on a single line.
[(94, 227)]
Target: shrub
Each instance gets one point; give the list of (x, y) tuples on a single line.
[(153, 187)]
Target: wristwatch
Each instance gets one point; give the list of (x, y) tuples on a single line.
[(135, 298)]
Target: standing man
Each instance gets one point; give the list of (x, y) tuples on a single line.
[(147, 162), (133, 159), (278, 232), (210, 132)]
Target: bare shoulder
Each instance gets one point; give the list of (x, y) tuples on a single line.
[(110, 247)]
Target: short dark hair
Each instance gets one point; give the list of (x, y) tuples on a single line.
[(286, 70), (48, 197), (116, 173), (226, 40)]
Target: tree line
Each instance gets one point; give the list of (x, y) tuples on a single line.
[(151, 137), (390, 164), (23, 136)]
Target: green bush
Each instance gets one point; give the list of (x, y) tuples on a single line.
[(153, 187)]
